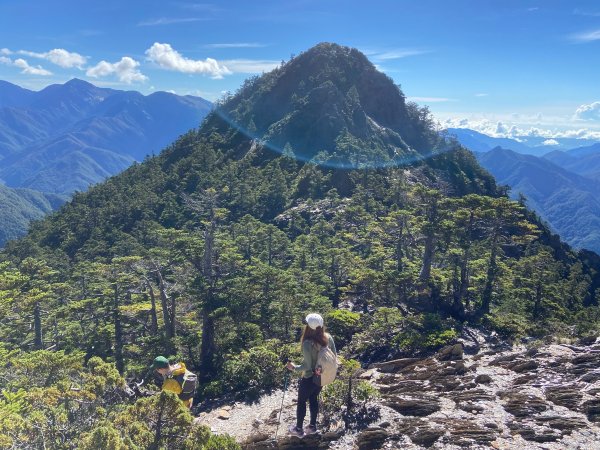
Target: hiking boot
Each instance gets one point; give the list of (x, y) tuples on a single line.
[(310, 429), (293, 429)]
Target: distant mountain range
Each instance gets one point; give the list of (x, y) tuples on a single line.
[(583, 161), (66, 137), (561, 182), (530, 145), (69, 136), (567, 200)]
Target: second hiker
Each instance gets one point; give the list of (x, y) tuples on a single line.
[(175, 378), (316, 345)]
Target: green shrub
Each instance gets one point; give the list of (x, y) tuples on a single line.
[(346, 398), (507, 324), (251, 371), (201, 438), (342, 325)]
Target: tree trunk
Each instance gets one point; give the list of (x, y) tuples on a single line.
[(159, 424), (399, 256), (425, 273), (270, 247), (118, 332), (464, 266), (486, 297), (164, 301), (153, 316), (464, 279), (207, 346), (37, 326), (538, 301)]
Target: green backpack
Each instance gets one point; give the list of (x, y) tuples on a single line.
[(189, 382)]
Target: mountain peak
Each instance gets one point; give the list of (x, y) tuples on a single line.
[(328, 100), (79, 83)]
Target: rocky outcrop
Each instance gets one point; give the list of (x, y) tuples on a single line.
[(544, 397)]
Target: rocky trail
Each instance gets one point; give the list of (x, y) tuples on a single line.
[(545, 397)]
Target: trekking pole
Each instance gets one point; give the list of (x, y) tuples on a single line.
[(285, 383)]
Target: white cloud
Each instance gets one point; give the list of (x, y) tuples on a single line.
[(588, 112), (60, 57), (250, 65), (125, 70), (168, 58), (30, 70), (503, 130), (431, 99), (5, 51), (168, 21), (481, 95), (24, 66), (587, 36), (236, 45), (550, 142)]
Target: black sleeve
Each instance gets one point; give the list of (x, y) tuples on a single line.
[(157, 379)]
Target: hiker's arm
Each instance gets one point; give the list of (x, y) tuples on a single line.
[(332, 345)]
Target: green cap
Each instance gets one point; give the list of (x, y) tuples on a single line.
[(160, 362)]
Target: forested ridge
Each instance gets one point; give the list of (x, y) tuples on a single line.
[(331, 194)]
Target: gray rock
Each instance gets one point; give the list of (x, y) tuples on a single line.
[(415, 406), (451, 353), (592, 409), (371, 438), (483, 379), (394, 365), (523, 405), (420, 431), (465, 433), (523, 366), (568, 396)]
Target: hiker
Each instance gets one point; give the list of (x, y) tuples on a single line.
[(175, 378), (314, 338)]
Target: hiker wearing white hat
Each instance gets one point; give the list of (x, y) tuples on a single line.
[(315, 342)]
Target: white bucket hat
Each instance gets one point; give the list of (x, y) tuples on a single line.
[(314, 320)]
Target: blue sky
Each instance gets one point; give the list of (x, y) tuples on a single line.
[(503, 67)]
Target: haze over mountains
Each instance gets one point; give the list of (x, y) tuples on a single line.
[(530, 145), (67, 137), (562, 186)]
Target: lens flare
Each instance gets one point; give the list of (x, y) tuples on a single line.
[(334, 160)]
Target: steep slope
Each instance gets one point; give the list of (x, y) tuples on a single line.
[(20, 207), (12, 95), (570, 203)]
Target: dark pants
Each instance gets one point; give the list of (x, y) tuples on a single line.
[(307, 391)]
